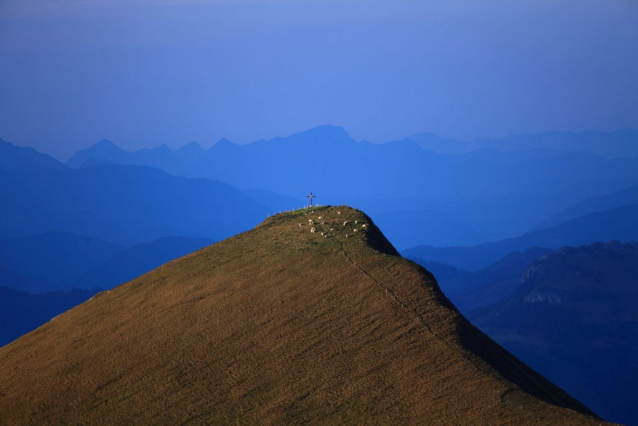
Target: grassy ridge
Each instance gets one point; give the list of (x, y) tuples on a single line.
[(276, 325)]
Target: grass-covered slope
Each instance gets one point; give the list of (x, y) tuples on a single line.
[(276, 325)]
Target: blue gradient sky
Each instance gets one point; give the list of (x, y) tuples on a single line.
[(156, 71)]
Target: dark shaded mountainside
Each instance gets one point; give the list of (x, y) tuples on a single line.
[(470, 291), (276, 325), (574, 316)]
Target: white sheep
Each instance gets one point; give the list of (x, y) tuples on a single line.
[(313, 230), (345, 223), (319, 218), (338, 212), (332, 229), (356, 230), (347, 235), (364, 226)]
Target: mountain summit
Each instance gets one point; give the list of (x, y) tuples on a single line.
[(312, 317)]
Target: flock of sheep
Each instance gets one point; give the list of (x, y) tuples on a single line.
[(320, 220)]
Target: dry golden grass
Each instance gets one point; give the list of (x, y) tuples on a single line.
[(276, 326)]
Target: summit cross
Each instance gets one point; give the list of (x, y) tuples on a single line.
[(311, 196)]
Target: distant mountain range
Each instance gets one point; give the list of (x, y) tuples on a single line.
[(470, 291), (62, 261), (407, 228), (615, 199), (617, 144), (510, 190), (125, 205), (325, 157), (574, 317), (13, 157), (135, 261), (620, 223), (51, 258)]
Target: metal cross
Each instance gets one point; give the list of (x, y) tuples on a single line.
[(311, 197)]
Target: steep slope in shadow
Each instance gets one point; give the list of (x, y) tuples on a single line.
[(276, 325), (573, 317)]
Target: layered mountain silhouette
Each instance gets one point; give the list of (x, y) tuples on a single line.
[(617, 144), (276, 325), (573, 317), (62, 261), (621, 143), (408, 228), (470, 291), (51, 257), (508, 191), (125, 205), (620, 223), (14, 157), (135, 261), (625, 197)]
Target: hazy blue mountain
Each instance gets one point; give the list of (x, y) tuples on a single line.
[(498, 193), (441, 271), (21, 312), (470, 291), (617, 144), (122, 204), (440, 145), (180, 162), (574, 319), (616, 224), (621, 198), (22, 281), (135, 261), (323, 159), (407, 228), (496, 218), (103, 152), (15, 157), (50, 257)]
